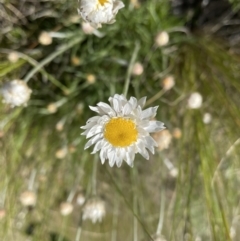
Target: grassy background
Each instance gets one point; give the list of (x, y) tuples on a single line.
[(201, 203)]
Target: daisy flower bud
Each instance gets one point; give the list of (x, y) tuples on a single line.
[(195, 101), (122, 129), (91, 79), (162, 39), (80, 199), (52, 108), (61, 153), (66, 208), (137, 69), (87, 28), (76, 61), (16, 93), (232, 232), (94, 210), (2, 214), (177, 133), (28, 199), (168, 83), (98, 12), (207, 118), (13, 57), (174, 172), (60, 124), (163, 139), (45, 38)]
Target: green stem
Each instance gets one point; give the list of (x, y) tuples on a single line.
[(52, 56), (130, 67)]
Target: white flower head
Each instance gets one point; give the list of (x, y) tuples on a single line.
[(16, 93), (122, 129), (94, 210), (195, 101), (98, 12)]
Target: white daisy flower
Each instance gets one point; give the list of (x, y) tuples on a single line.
[(16, 93), (122, 129), (98, 12), (94, 210)]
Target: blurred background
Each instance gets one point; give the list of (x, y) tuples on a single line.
[(185, 60)]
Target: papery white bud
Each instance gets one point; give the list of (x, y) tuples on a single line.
[(1, 134), (195, 100), (163, 139), (76, 61), (80, 199), (60, 124), (177, 133), (174, 172), (80, 108), (13, 57), (72, 148), (45, 38), (137, 69), (15, 93), (162, 39), (207, 118), (28, 199), (61, 153), (232, 232), (52, 108), (91, 79), (168, 83), (66, 208), (2, 213), (87, 28)]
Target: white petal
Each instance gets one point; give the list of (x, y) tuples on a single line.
[(133, 101), (93, 119), (97, 146), (116, 105), (149, 113), (88, 125), (150, 143), (111, 158), (97, 109), (106, 108), (93, 140), (94, 130), (142, 101), (130, 155), (103, 155), (141, 149), (154, 126), (127, 109)]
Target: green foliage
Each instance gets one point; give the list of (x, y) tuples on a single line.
[(44, 137)]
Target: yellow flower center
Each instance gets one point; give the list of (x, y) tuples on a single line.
[(120, 132), (102, 2)]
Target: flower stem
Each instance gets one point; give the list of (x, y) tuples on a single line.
[(94, 176), (130, 67), (52, 56), (161, 214)]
